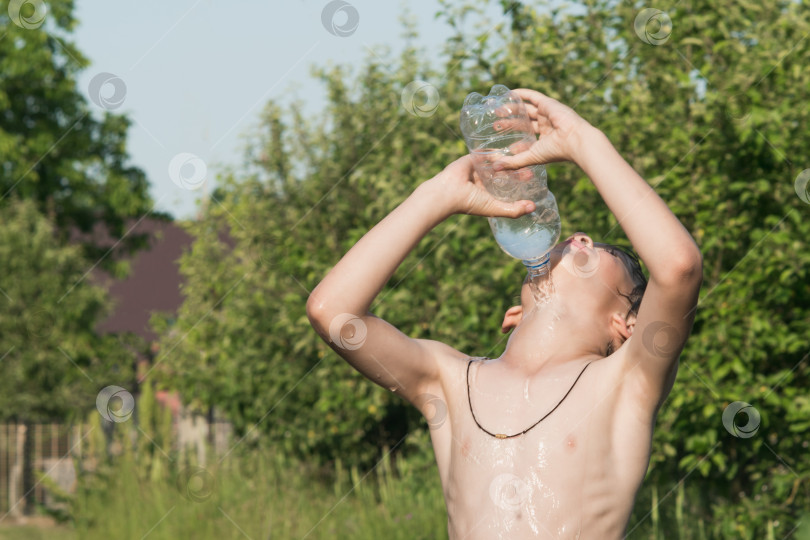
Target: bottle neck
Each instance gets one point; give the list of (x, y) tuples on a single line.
[(538, 267)]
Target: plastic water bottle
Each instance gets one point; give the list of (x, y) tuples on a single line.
[(531, 236)]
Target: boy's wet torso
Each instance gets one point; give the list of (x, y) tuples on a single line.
[(574, 475)]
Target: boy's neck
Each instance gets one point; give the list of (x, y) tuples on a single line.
[(549, 336)]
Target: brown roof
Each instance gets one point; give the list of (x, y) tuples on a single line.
[(154, 280)]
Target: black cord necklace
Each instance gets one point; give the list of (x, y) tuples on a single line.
[(503, 435)]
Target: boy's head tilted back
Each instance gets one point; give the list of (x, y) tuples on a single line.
[(599, 284)]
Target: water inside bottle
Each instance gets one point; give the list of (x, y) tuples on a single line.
[(528, 236)]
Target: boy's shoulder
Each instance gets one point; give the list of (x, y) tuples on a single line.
[(612, 379)]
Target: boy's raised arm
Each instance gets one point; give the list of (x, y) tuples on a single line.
[(338, 306), (669, 252), (673, 259)]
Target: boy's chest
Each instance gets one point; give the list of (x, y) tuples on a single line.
[(564, 434), (536, 478), (554, 442), (587, 453)]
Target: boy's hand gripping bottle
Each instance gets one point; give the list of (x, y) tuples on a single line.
[(529, 237)]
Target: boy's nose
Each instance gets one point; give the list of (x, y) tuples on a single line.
[(582, 238)]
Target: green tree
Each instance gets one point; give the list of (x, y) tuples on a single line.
[(53, 148), (53, 363), (710, 107)]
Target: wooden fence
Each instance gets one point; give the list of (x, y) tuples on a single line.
[(29, 451)]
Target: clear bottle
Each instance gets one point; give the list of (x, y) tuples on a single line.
[(531, 236)]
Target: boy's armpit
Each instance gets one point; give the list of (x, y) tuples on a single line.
[(662, 327)]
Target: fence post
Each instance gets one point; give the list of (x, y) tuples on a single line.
[(16, 501), (36, 461)]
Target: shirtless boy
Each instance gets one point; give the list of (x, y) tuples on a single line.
[(606, 364)]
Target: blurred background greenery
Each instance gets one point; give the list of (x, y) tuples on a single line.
[(715, 117)]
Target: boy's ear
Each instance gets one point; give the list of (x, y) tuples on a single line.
[(512, 318), (631, 323), (624, 326)]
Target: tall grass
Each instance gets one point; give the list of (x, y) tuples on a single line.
[(263, 496), (146, 488)]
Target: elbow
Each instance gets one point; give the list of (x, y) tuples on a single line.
[(686, 266), (316, 308), (316, 313), (326, 306), (322, 308)]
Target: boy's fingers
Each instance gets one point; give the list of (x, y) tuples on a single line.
[(538, 99), (529, 94), (515, 209), (504, 111), (524, 159), (503, 124), (519, 147), (513, 124)]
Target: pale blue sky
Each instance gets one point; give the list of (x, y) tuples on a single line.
[(198, 72)]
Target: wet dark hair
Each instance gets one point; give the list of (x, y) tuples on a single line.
[(633, 265)]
